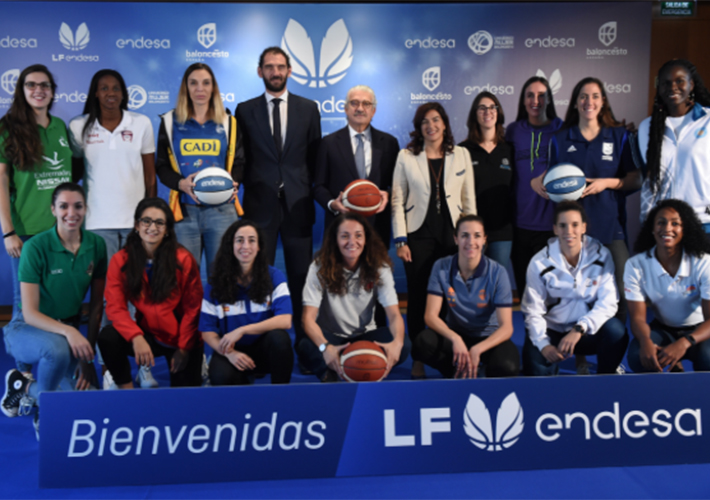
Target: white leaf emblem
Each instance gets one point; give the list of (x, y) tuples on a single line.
[(555, 80), (297, 44), (336, 53), (71, 41), (478, 424), (66, 36), (81, 39)]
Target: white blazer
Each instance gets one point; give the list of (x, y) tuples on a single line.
[(411, 189)]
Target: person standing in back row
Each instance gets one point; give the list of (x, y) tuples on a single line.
[(281, 132)]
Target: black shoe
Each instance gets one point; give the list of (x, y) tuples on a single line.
[(330, 376), (15, 395), (304, 369)]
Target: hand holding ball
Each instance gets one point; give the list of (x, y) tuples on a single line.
[(213, 186), (564, 182), (363, 197)]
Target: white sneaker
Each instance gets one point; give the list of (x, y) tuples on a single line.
[(205, 371), (145, 378), (109, 384), (620, 370)]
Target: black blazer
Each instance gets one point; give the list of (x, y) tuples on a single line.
[(335, 169), (264, 171)]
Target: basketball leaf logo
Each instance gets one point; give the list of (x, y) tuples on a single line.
[(555, 80), (607, 33), (479, 427), (431, 78), (336, 54), (74, 41)]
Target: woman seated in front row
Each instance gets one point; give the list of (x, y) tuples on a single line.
[(672, 272), (479, 319), (571, 299), (350, 272), (246, 311), (162, 280)]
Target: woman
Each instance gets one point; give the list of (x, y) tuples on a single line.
[(571, 299), (675, 143), (162, 281), (479, 326), (34, 156), (672, 272), (530, 137), (350, 272), (246, 311), (432, 185), (491, 158), (198, 134), (57, 268), (592, 139), (118, 149)]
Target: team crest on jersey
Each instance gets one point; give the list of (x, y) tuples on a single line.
[(451, 296), (691, 289), (607, 151), (482, 297), (127, 135), (90, 269), (701, 133), (219, 129), (225, 308)]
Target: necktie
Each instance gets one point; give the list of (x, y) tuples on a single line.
[(360, 156), (277, 126)]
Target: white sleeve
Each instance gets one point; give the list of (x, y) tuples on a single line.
[(312, 290), (76, 137), (400, 192), (632, 282), (148, 139), (607, 300), (534, 308), (703, 275), (386, 292)]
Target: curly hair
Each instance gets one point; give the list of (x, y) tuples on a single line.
[(92, 106), (417, 143), (374, 255), (694, 242), (474, 128), (23, 146), (165, 264), (184, 108), (549, 111), (227, 271), (605, 116), (660, 113)]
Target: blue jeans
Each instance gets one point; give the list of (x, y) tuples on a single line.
[(609, 344), (17, 297), (662, 336), (202, 228), (499, 251), (50, 351)]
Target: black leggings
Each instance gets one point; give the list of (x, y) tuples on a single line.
[(271, 353), (115, 351)]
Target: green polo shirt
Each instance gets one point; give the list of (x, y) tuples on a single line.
[(63, 278), (31, 190)]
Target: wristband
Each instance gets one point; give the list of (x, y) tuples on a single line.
[(11, 233), (691, 339)]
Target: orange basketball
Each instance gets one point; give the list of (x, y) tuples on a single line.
[(363, 197), (363, 361)]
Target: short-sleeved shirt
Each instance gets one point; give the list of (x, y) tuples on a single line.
[(473, 302), (675, 301), (224, 318), (31, 190), (114, 179), (197, 147), (353, 313), (63, 278)]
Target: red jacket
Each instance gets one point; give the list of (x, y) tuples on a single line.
[(173, 321)]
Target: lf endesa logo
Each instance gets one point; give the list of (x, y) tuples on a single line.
[(608, 424)]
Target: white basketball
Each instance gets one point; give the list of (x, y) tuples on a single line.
[(213, 186), (564, 182)]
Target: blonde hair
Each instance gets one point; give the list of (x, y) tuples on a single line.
[(184, 108)]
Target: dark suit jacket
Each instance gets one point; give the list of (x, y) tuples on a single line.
[(335, 169), (263, 171)]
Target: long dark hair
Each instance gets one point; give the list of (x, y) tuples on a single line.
[(331, 273), (165, 264), (694, 242), (605, 116), (92, 106), (23, 146), (417, 143), (474, 128), (226, 269), (660, 113), (549, 111)]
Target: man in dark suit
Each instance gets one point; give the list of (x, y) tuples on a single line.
[(280, 132), (358, 151)]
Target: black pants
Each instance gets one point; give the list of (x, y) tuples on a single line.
[(115, 351), (437, 351), (526, 244), (271, 353)]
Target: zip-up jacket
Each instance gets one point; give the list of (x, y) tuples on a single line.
[(558, 299)]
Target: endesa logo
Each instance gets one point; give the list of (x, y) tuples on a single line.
[(199, 147), (493, 89), (73, 97), (550, 43), (617, 88), (18, 43), (430, 43), (143, 43)]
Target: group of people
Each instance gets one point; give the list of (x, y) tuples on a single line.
[(456, 215)]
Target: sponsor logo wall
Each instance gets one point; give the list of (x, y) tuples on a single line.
[(403, 53), (272, 432)]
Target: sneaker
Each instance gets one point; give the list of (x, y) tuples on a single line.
[(109, 384), (16, 401), (620, 370), (205, 371), (35, 424), (145, 378), (582, 365)]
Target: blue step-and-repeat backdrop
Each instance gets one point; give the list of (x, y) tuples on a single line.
[(408, 53)]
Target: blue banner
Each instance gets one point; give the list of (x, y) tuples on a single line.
[(303, 431)]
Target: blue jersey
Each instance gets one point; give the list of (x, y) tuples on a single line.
[(600, 158), (472, 303), (224, 318)]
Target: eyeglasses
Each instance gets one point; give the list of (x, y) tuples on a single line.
[(42, 85), (147, 221), (357, 104), (483, 109)]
